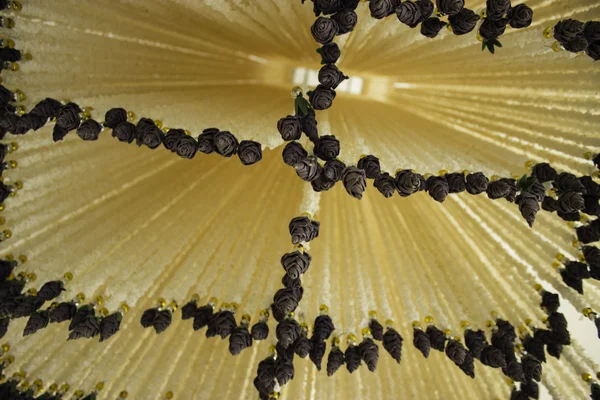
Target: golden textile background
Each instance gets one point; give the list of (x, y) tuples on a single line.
[(135, 225)]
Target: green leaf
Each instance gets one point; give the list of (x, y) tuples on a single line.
[(483, 44), (301, 106), (319, 50), (522, 180), (497, 43), (490, 47)]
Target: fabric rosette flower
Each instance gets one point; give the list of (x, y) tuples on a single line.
[(321, 98), (409, 13), (324, 30)]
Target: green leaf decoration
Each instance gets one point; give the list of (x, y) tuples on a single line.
[(490, 47), (483, 44), (301, 106), (497, 43), (319, 50)]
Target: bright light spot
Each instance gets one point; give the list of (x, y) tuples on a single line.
[(404, 85), (310, 78)]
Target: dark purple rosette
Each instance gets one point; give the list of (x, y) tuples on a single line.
[(576, 45), (290, 128), (147, 133), (47, 108), (322, 183), (450, 7), (426, 8), (249, 152), (68, 119), (354, 180), (520, 16), (324, 30), (456, 183), (409, 13), (593, 51), (330, 53), (125, 132), (407, 182), (225, 144), (370, 164), (171, 138), (186, 147), (381, 8), (296, 263), (333, 170), (385, 184), (327, 148), (496, 9), (308, 169), (491, 29), (346, 21), (591, 31), (330, 76), (431, 27), (437, 187), (567, 30), (293, 153), (463, 22), (328, 6), (114, 117), (89, 130), (321, 98), (206, 140)]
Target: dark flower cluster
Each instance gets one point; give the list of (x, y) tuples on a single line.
[(86, 321), (576, 36), (498, 15)]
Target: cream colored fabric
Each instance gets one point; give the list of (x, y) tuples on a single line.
[(134, 225)]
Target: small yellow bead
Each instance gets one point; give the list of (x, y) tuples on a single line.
[(464, 324), (124, 308), (14, 67), (537, 287), (466, 172), (32, 291), (366, 331), (68, 276), (306, 214), (195, 297), (489, 323), (173, 305), (14, 146), (158, 123), (494, 178), (79, 393), (213, 301), (169, 395), (479, 38), (429, 319), (165, 129), (335, 341), (246, 318), (10, 359), (389, 323), (586, 377), (528, 321), (588, 155), (123, 394), (7, 233), (560, 256), (80, 296), (162, 302), (571, 224), (65, 387), (548, 32), (99, 386), (27, 57), (2, 207), (373, 314), (351, 338), (19, 185), (556, 47), (323, 308), (443, 172), (556, 265), (16, 5), (272, 349), (545, 319), (104, 311), (576, 244), (53, 387), (264, 313), (19, 95), (416, 324), (447, 332), (99, 300), (529, 164), (296, 91), (5, 347)]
